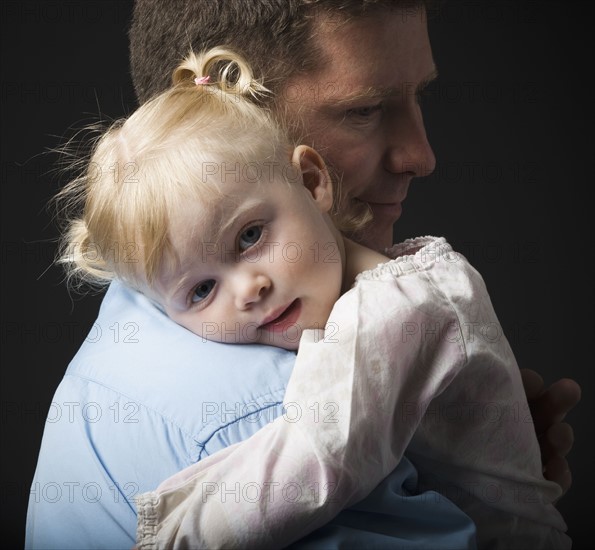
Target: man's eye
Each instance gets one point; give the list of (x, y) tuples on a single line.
[(365, 112), (202, 291), (249, 237)]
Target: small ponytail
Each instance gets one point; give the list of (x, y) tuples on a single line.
[(222, 69)]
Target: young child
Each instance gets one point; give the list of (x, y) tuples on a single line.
[(199, 202)]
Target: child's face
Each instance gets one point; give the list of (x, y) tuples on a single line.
[(275, 270)]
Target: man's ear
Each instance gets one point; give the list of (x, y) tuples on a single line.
[(314, 175)]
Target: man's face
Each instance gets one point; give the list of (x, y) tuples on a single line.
[(361, 110)]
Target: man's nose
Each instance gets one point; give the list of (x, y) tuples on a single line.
[(408, 148), (250, 288)]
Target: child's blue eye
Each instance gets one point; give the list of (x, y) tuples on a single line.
[(249, 237), (202, 291)]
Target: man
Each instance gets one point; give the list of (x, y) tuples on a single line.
[(372, 136), (161, 401)]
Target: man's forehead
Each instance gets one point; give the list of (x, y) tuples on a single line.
[(385, 53), (333, 26)]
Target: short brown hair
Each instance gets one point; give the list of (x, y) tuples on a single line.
[(273, 35)]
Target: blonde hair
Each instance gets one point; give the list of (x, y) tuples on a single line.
[(143, 168)]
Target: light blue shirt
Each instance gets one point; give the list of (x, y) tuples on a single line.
[(144, 398)]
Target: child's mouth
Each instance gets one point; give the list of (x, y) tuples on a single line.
[(285, 319)]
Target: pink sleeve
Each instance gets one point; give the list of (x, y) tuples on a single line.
[(349, 418)]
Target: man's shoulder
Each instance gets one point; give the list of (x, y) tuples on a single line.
[(135, 351)]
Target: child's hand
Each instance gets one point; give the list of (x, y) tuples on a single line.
[(548, 409)]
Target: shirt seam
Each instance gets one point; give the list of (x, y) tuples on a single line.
[(275, 404), (197, 442)]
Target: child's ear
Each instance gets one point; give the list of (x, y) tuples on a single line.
[(314, 175)]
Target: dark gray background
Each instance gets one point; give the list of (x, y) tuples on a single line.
[(511, 122)]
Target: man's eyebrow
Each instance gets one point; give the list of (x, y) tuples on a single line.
[(374, 93)]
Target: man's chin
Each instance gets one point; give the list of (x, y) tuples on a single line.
[(378, 233), (375, 238)]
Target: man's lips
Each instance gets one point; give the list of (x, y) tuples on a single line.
[(283, 318), (390, 195), (390, 209), (384, 201)]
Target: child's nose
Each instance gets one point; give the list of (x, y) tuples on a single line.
[(250, 289)]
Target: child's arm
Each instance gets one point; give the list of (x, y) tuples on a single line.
[(341, 435)]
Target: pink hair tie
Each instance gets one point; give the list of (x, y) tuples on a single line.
[(199, 81)]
